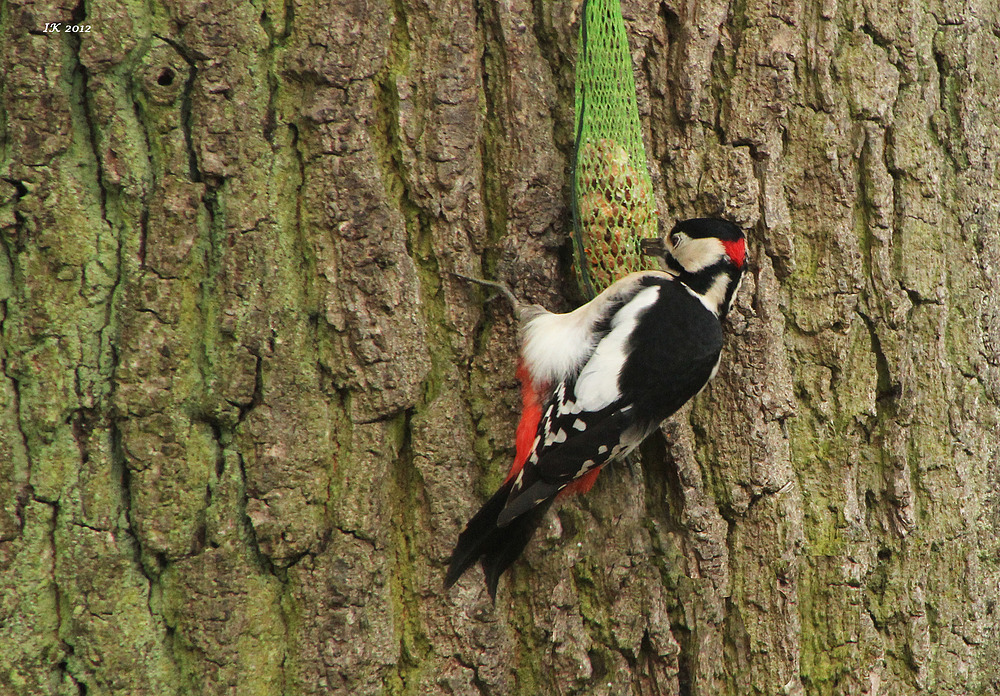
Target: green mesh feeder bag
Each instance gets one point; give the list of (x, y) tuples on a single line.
[(613, 205)]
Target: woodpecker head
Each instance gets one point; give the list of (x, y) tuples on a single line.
[(708, 255)]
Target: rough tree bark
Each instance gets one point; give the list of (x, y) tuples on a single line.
[(244, 409)]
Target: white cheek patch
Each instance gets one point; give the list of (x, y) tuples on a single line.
[(697, 254)]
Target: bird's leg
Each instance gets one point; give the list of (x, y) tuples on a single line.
[(495, 285)]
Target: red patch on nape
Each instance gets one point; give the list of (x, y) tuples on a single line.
[(531, 414), (737, 251)]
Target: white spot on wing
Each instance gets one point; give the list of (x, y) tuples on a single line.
[(579, 424)]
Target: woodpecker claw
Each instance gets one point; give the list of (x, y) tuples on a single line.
[(495, 285)]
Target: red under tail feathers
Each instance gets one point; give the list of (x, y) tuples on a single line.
[(583, 484), (531, 413)]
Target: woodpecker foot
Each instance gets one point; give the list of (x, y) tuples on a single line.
[(494, 285)]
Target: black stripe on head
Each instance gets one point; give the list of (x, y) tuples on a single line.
[(699, 228), (731, 260)]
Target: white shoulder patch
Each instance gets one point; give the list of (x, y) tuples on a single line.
[(597, 385), (556, 346)]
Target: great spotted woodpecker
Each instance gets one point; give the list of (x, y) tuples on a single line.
[(596, 381)]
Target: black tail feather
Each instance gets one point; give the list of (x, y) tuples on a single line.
[(526, 501), (478, 532), (496, 547), (508, 544)]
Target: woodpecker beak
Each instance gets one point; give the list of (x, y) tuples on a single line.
[(661, 249), (653, 246)]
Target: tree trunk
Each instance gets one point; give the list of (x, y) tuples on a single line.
[(245, 409)]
